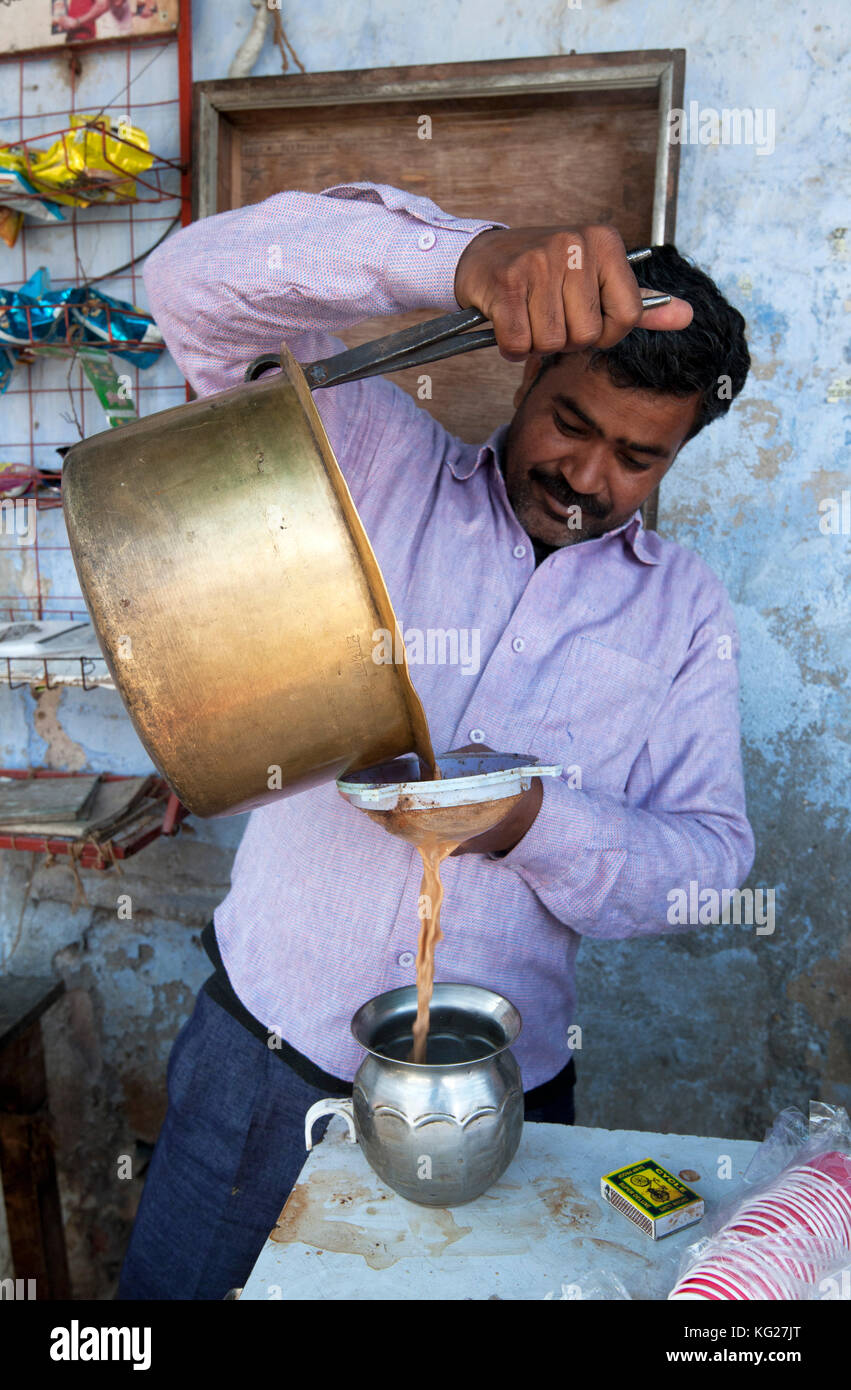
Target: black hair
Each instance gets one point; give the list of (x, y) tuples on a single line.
[(710, 356)]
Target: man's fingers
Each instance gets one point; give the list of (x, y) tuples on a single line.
[(620, 299), (677, 314), (540, 301), (546, 318), (510, 318), (582, 312)]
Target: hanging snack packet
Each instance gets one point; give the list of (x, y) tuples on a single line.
[(111, 389), (18, 193), (7, 363), (76, 316), (114, 321), (10, 225), (89, 164), (24, 316)]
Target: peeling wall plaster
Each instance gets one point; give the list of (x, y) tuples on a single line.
[(707, 1033)]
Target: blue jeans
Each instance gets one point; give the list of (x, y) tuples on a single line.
[(228, 1155)]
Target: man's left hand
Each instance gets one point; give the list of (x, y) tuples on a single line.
[(509, 831)]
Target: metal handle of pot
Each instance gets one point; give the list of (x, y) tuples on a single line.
[(329, 1107), (410, 347), (432, 341)]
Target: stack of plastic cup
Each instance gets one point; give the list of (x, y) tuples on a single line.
[(780, 1240)]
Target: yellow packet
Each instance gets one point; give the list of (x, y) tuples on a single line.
[(10, 225), (90, 153)]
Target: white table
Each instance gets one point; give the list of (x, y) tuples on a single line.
[(542, 1232)]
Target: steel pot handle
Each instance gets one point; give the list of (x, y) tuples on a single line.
[(270, 361), (410, 347), (329, 1107)]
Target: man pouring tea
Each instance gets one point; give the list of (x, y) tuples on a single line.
[(604, 648)]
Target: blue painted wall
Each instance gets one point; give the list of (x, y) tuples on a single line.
[(710, 1033)]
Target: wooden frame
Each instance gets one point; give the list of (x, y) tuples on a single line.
[(231, 111)]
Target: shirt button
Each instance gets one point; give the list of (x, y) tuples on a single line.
[(477, 735), (518, 644), (426, 240), (519, 551), (407, 958)]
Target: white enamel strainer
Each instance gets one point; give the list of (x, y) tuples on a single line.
[(474, 792)]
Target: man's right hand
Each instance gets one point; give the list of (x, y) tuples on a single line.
[(550, 289)]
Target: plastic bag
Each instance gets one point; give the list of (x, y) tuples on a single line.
[(600, 1284), (789, 1228), (88, 163), (17, 193), (91, 156)]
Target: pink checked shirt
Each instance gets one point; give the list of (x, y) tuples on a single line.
[(616, 657)]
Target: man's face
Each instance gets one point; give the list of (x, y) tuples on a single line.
[(579, 442)]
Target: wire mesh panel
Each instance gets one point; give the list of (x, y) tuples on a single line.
[(62, 383)]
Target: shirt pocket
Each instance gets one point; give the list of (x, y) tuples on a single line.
[(602, 710)]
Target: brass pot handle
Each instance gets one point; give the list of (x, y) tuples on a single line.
[(410, 347)]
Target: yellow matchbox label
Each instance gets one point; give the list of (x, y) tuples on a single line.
[(652, 1197)]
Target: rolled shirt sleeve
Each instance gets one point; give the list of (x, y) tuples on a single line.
[(232, 286), (607, 866)]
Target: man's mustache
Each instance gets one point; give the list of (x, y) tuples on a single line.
[(564, 493)]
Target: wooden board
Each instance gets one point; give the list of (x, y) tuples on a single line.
[(564, 140)]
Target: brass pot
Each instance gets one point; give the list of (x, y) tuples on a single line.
[(233, 589)]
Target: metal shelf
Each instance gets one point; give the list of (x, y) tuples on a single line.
[(76, 658), (159, 812)]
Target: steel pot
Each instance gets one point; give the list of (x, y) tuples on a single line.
[(443, 1132), (233, 589)]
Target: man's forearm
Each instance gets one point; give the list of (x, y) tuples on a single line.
[(608, 870), (232, 286)]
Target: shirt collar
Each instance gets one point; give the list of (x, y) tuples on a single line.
[(645, 545)]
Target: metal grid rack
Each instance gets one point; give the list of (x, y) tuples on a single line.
[(39, 581), (44, 590), (150, 186), (66, 331)]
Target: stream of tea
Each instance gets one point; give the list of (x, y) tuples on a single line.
[(432, 852), (436, 832)]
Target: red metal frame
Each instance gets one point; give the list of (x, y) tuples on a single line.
[(37, 603), (184, 79), (47, 682), (104, 45), (71, 333), (18, 607), (166, 822), (126, 843), (32, 479)]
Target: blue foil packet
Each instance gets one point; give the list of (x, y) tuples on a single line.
[(79, 314)]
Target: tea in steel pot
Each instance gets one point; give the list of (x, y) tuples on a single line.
[(439, 1133)]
